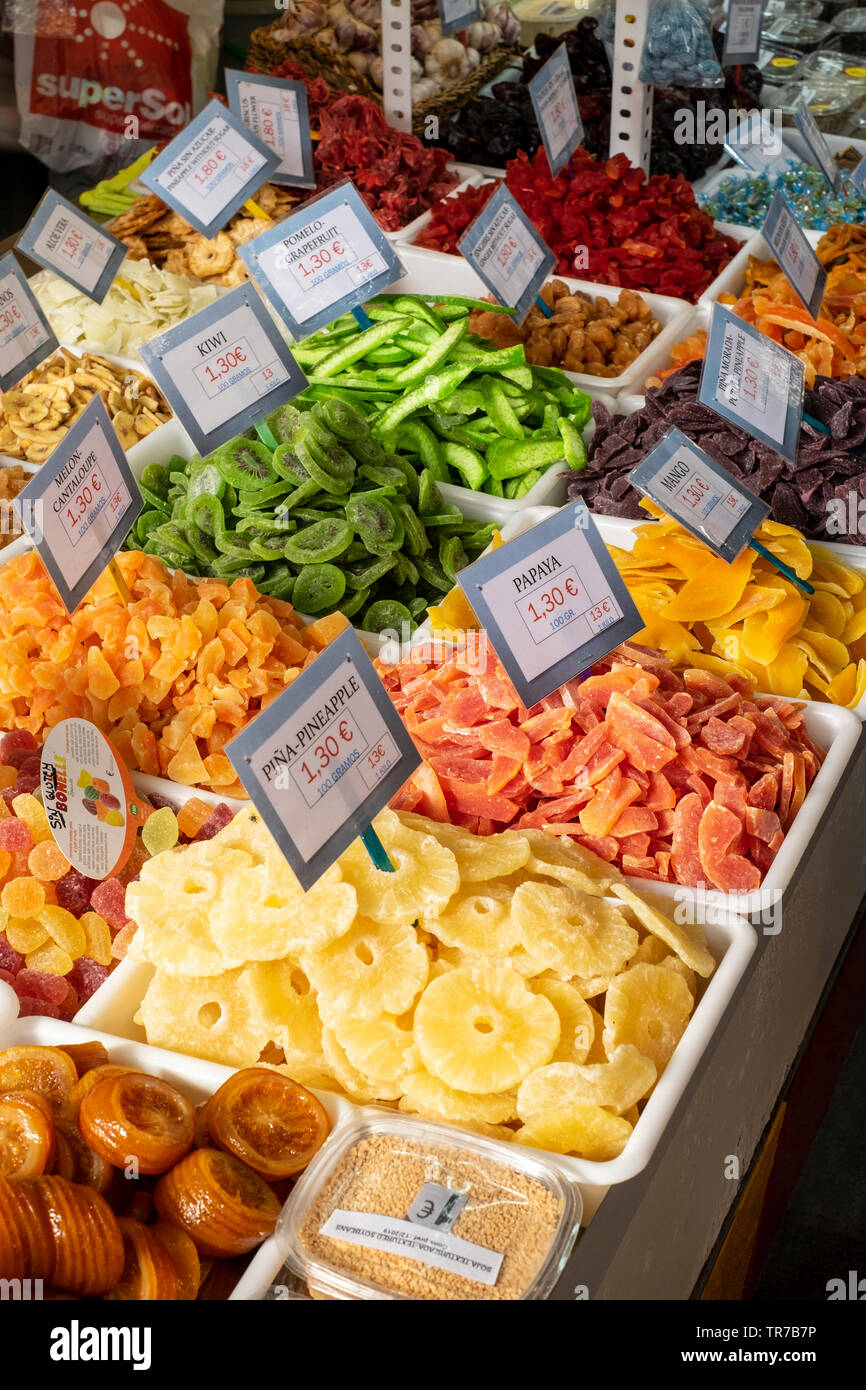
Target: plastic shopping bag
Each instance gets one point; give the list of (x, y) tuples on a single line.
[(678, 51)]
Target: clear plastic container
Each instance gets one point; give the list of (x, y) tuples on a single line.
[(457, 1201), (803, 35), (778, 66), (835, 64), (850, 25), (793, 10), (829, 99)]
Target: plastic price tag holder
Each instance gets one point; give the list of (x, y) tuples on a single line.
[(223, 368), (323, 760), (80, 506), (858, 177), (64, 239), (324, 260), (743, 32), (556, 110), (210, 170), (798, 261), (757, 144), (552, 602), (506, 251), (277, 112), (819, 153), (25, 334), (700, 495), (753, 382), (457, 14)]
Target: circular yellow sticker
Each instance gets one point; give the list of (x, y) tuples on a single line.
[(784, 62), (854, 72)]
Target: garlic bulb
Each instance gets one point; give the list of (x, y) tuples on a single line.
[(424, 89), (422, 39), (376, 72), (473, 57), (416, 69), (368, 11), (447, 62), (359, 61), (483, 35), (502, 15)]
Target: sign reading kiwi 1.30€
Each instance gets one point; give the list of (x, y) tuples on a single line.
[(323, 760), (323, 261), (92, 807), (224, 368)]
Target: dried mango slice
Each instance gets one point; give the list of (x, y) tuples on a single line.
[(765, 635), (713, 590)]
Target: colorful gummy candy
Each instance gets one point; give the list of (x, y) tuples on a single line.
[(171, 678)]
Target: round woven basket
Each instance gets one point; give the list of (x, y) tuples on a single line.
[(443, 106)]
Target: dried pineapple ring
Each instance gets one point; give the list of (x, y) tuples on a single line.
[(173, 902), (360, 1089), (373, 969), (653, 951), (425, 874), (571, 932), (616, 1085), (649, 1006), (210, 256), (282, 1000), (687, 943), (478, 920), (479, 857), (208, 1018), (555, 856), (584, 1130), (576, 1018), (519, 959), (424, 1094), (381, 1048), (483, 1030), (284, 921)]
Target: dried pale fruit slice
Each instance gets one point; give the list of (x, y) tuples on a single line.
[(483, 1030), (206, 1017), (653, 951), (479, 857), (425, 874), (46, 1070), (373, 969), (648, 1006), (616, 1085), (424, 1094), (478, 920), (686, 943), (519, 959), (584, 1130), (26, 1134), (283, 1002), (576, 1018), (572, 932), (269, 1122), (382, 1048), (357, 1087), (173, 901), (556, 856), (265, 914)]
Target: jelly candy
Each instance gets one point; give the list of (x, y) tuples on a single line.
[(218, 819), (8, 777), (192, 816), (10, 960), (24, 934), (74, 890), (86, 975), (23, 897), (160, 831), (50, 958), (98, 936), (47, 861), (65, 930), (51, 989), (120, 944), (15, 835), (109, 899), (16, 739), (28, 1007)]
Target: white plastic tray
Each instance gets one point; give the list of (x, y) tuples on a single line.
[(196, 1078), (797, 145), (658, 358)]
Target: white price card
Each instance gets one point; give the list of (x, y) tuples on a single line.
[(789, 245), (753, 382), (64, 239), (699, 493), (743, 31), (556, 110), (757, 144), (25, 334), (323, 261), (224, 368), (507, 252), (817, 149), (276, 110), (210, 170), (325, 758), (80, 506), (457, 14), (552, 602)]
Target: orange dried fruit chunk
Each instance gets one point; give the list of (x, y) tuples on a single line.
[(47, 861)]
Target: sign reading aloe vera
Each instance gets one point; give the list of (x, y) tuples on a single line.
[(224, 368)]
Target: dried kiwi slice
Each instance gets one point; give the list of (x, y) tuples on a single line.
[(375, 522), (318, 587), (387, 613), (344, 420), (206, 480), (283, 422), (322, 541), (416, 539), (286, 463), (280, 582), (362, 574), (452, 556), (246, 464)]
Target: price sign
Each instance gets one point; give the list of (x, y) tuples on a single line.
[(457, 14), (25, 335), (80, 505), (507, 252), (223, 368), (858, 177), (700, 494), (743, 31), (276, 111), (789, 245), (753, 382), (556, 109), (325, 758), (323, 261), (62, 238), (210, 170), (757, 144), (817, 149), (552, 602)]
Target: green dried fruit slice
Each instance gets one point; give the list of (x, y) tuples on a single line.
[(386, 614), (322, 541), (318, 587), (245, 463), (375, 523), (361, 574)]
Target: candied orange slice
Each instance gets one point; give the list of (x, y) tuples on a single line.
[(133, 1116), (48, 1070), (87, 1055), (148, 1270), (26, 1237), (184, 1257), (26, 1134), (269, 1122), (88, 1245), (219, 1201)]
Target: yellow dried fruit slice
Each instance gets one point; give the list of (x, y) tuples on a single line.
[(172, 902), (425, 873), (360, 1089), (586, 1131), (424, 1094), (206, 1017), (648, 1006), (479, 857), (283, 1002), (686, 942), (373, 969), (572, 932), (616, 1085), (382, 1048), (260, 917), (556, 856), (576, 1018), (478, 920)]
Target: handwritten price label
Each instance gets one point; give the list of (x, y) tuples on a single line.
[(275, 109), (789, 245), (753, 382), (552, 602), (694, 490), (62, 238), (743, 31), (210, 170), (332, 743), (507, 252), (556, 109), (25, 336)]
